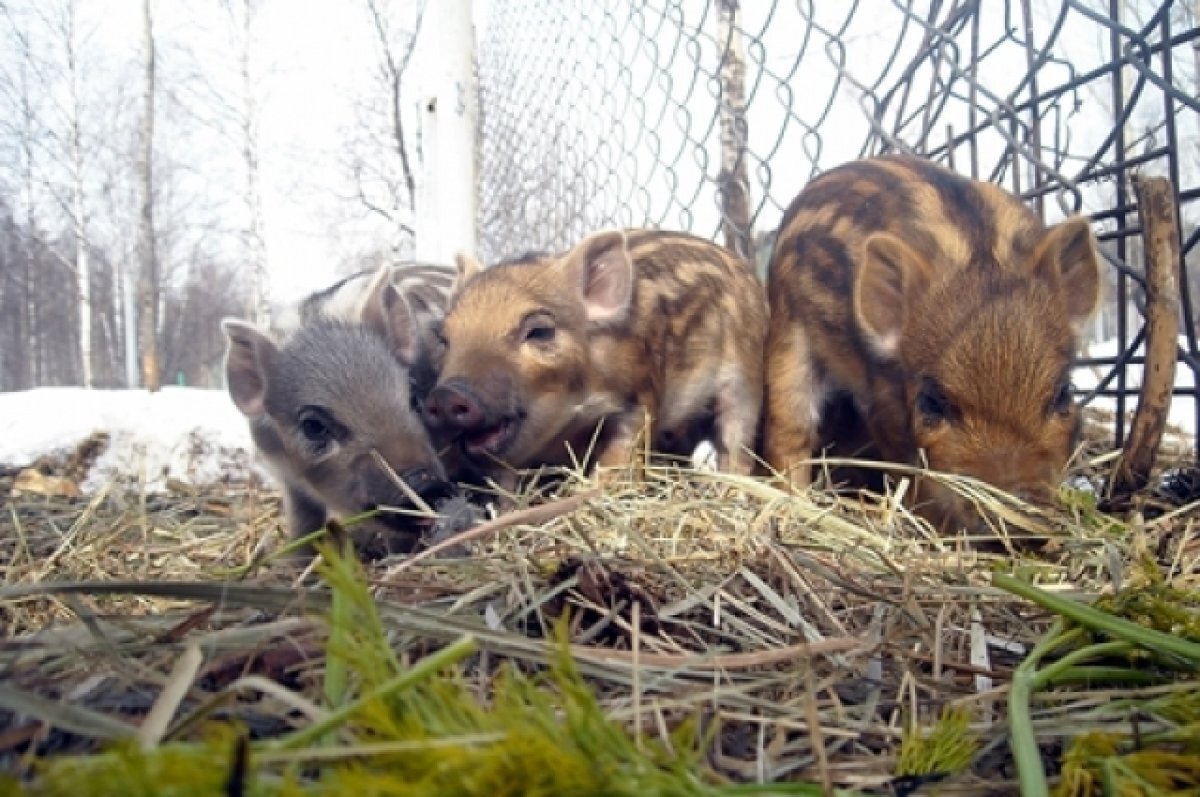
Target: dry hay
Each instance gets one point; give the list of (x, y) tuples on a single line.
[(811, 629)]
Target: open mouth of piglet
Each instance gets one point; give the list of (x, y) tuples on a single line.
[(489, 439)]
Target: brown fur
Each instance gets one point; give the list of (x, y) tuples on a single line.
[(648, 326), (946, 312)]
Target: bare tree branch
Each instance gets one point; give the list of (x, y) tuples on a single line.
[(394, 68)]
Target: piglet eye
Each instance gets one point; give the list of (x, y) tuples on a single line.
[(932, 403), (538, 327), (1062, 398), (316, 426), (540, 333)]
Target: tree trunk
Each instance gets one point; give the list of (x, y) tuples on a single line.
[(129, 333), (84, 286), (27, 329), (256, 243), (83, 275), (1196, 66), (29, 373), (733, 182), (148, 276)]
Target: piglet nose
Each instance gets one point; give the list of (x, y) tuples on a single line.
[(452, 404)]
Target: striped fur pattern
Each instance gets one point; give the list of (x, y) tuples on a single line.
[(938, 315), (546, 354), (425, 285)]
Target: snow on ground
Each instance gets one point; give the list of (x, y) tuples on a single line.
[(192, 435), (1183, 408)]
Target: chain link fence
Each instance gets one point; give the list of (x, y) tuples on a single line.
[(710, 115)]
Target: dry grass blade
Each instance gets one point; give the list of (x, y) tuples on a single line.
[(64, 715), (423, 508), (154, 726), (718, 663)]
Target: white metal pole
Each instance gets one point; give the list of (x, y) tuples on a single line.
[(446, 196)]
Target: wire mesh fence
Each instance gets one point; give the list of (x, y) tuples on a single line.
[(710, 115)]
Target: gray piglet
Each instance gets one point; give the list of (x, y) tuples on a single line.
[(329, 397)]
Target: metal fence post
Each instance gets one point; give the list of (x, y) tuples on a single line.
[(446, 190)]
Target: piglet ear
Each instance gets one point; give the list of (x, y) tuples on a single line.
[(388, 313), (890, 279), (602, 268), (247, 362), (1067, 260), (468, 268)]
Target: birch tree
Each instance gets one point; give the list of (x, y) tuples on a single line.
[(148, 276), (242, 14), (733, 182), (26, 129), (62, 132), (57, 132), (72, 42)]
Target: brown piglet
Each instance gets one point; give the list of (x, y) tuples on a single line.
[(628, 333), (939, 313)]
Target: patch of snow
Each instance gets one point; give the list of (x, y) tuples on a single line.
[(1183, 408), (192, 435)]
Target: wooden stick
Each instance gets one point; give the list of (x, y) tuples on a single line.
[(1157, 212)]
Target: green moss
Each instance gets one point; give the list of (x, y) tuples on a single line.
[(357, 640), (185, 770), (1181, 708), (1083, 507), (946, 749), (1151, 602), (551, 737), (1083, 640), (1095, 765)]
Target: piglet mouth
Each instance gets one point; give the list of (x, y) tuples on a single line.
[(490, 440)]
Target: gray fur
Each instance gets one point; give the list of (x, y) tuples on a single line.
[(344, 356)]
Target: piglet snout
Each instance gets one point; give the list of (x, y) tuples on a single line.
[(426, 482), (454, 405)]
